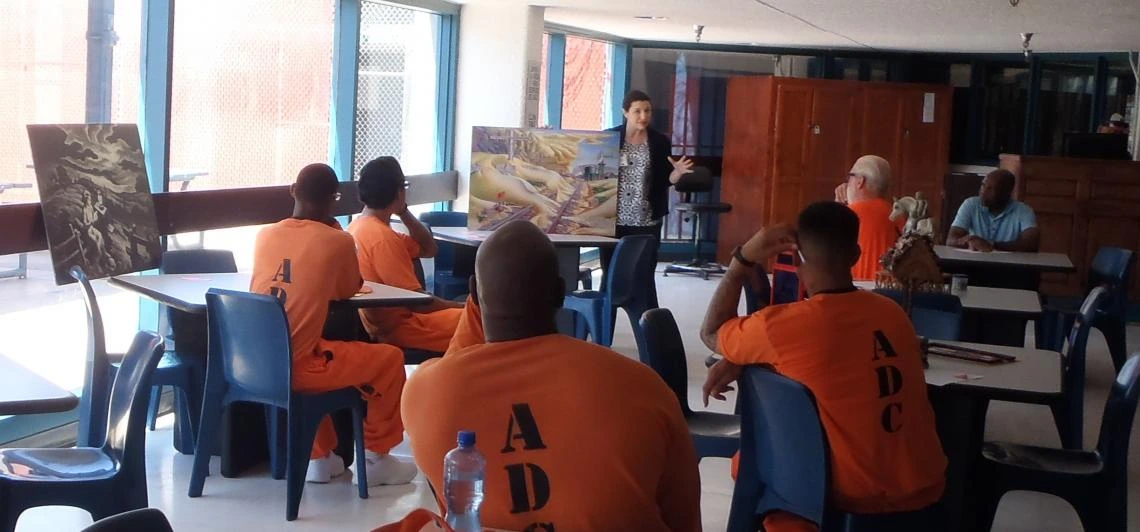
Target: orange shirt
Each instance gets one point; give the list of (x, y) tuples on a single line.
[(859, 355), (307, 264), (877, 234), (469, 332), (575, 435), (386, 257)]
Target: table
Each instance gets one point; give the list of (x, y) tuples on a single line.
[(243, 436), (993, 315), (568, 248), (24, 392), (1038, 262), (960, 411), (21, 270), (991, 300), (187, 292)]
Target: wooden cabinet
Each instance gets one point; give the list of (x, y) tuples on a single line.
[(791, 141), (1081, 205)]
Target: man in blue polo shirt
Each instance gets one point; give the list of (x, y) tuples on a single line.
[(994, 220)]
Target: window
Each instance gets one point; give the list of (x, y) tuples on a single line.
[(1065, 105), (585, 84), (44, 78), (397, 94), (543, 81), (1003, 117), (252, 83), (689, 89)]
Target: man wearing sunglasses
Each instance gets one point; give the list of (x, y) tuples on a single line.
[(865, 192)]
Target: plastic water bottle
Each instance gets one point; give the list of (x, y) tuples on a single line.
[(463, 471)]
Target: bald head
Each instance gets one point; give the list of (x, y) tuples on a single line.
[(875, 175), (517, 283), (315, 192)]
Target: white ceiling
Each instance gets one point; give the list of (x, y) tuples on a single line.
[(920, 25)]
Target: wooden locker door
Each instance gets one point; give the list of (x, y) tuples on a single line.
[(789, 147), (882, 128), (831, 142), (923, 157)]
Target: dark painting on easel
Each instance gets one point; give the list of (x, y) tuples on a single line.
[(98, 210)]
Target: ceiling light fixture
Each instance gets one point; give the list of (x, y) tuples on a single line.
[(650, 17), (698, 30), (1013, 3), (1025, 37)]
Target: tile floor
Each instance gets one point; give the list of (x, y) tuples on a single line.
[(258, 502)]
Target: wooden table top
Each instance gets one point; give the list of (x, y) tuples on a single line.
[(187, 292), (22, 391)]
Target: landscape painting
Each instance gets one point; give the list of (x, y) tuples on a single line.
[(565, 182), (98, 210)]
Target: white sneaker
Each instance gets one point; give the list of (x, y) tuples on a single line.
[(386, 470), (323, 470)]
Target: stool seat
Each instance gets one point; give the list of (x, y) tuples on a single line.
[(703, 207)]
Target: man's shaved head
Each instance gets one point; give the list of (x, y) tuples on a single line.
[(316, 183), (517, 282)]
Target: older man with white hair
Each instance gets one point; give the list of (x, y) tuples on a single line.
[(865, 192)]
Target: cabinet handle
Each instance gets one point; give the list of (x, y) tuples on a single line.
[(815, 129)]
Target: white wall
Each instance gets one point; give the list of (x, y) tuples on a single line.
[(496, 44)]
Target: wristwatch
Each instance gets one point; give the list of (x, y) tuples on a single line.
[(736, 254)]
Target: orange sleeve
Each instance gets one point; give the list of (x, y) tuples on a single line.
[(744, 340), (679, 492), (410, 244), (348, 279), (392, 261), (469, 331)]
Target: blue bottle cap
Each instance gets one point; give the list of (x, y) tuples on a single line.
[(466, 438)]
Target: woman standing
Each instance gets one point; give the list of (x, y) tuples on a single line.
[(647, 171)]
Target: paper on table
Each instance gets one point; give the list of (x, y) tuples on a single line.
[(942, 377)]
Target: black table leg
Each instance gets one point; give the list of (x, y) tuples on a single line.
[(961, 423)]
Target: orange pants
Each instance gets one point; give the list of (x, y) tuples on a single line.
[(377, 370), (430, 331)]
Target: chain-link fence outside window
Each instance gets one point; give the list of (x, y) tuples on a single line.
[(252, 83), (397, 93)]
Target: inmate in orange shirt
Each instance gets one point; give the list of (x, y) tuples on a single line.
[(877, 234), (859, 355), (576, 436), (307, 264), (386, 257), (469, 332)]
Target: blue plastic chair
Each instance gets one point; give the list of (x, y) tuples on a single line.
[(1069, 407), (100, 370), (445, 284), (783, 452), (141, 520), (251, 360), (935, 316), (625, 288), (1095, 483), (186, 364), (106, 478), (1112, 269), (663, 350)]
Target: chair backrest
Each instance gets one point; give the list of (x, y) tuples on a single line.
[(1112, 267), (198, 261), (699, 180), (783, 452), (130, 397), (143, 519), (97, 370), (935, 316), (186, 327), (757, 291), (445, 258), (1073, 356), (627, 276), (664, 351), (1116, 424), (250, 347)]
